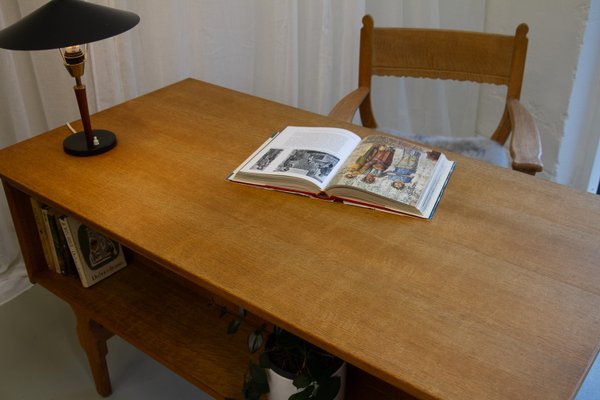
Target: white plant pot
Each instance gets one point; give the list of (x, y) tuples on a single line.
[(281, 388)]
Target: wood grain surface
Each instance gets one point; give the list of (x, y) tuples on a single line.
[(496, 298)]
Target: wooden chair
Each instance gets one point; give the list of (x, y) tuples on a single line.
[(456, 55)]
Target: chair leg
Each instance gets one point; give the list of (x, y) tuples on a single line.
[(93, 337)]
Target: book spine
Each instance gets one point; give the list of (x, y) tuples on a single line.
[(74, 253), (58, 249), (51, 239), (69, 268), (39, 221)]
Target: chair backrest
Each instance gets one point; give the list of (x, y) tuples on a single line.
[(443, 54)]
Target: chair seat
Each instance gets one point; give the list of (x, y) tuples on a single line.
[(477, 147)]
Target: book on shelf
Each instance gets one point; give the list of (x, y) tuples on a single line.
[(382, 172), (56, 248), (95, 256), (43, 233), (69, 267)]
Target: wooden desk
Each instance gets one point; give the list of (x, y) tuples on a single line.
[(498, 297)]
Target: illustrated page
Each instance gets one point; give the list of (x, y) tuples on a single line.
[(315, 154), (389, 167)]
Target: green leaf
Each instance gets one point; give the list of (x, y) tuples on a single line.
[(257, 374), (328, 389), (315, 367), (253, 390), (303, 395), (255, 383), (302, 381), (264, 361), (233, 327), (255, 341)]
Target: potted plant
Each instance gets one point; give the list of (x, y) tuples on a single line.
[(289, 368)]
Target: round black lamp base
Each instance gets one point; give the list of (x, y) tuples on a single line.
[(76, 145)]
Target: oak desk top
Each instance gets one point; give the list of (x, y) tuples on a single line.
[(498, 297)]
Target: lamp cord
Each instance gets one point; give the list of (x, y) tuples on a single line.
[(71, 128)]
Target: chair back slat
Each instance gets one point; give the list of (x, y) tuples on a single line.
[(443, 54)]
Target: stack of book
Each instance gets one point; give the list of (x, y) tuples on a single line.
[(71, 248)]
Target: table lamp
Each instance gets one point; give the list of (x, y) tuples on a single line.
[(69, 25)]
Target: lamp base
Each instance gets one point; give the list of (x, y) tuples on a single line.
[(76, 144)]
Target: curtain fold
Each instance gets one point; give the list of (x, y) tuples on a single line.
[(301, 53)]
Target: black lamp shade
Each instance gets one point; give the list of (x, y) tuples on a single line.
[(62, 23)]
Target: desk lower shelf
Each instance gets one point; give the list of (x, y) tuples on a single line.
[(165, 319), (173, 322)]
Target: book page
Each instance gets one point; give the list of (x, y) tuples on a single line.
[(309, 153), (390, 168)]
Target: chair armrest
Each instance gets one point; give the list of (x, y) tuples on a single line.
[(346, 108), (525, 144)]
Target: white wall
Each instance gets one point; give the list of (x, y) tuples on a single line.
[(578, 164), (556, 29)]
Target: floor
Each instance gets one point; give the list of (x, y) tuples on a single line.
[(40, 359)]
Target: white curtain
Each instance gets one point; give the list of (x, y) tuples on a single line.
[(301, 53)]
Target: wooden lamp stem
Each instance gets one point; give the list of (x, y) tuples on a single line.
[(81, 95)]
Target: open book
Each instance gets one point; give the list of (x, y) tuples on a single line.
[(381, 172)]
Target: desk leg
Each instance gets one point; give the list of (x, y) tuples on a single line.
[(93, 337)]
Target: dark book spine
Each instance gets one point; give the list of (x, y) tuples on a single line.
[(70, 268), (55, 232)]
